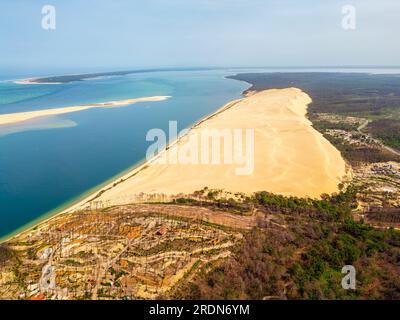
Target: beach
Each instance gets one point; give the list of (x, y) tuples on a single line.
[(291, 158), (25, 116)]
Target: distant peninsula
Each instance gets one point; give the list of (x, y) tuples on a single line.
[(88, 76)]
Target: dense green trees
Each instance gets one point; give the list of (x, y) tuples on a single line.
[(376, 97)]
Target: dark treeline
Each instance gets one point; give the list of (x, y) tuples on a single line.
[(375, 97), (336, 206), (344, 93), (387, 130)]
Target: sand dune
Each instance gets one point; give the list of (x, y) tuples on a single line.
[(290, 156), (24, 116)]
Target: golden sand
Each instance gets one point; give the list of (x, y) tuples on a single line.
[(291, 158)]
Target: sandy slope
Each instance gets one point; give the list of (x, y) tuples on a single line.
[(291, 157), (24, 116)]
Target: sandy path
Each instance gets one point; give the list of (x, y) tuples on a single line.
[(290, 158), (24, 116)]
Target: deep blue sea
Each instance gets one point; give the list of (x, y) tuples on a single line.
[(49, 162)]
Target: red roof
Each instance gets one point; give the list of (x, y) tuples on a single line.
[(162, 231)]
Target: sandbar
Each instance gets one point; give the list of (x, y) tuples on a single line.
[(29, 115)]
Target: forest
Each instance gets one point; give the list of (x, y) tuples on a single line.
[(299, 252), (299, 246)]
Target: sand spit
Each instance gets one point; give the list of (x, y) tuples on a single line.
[(24, 116), (290, 157), (33, 81)]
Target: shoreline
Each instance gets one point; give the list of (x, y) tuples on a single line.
[(93, 193), (81, 202), (134, 170), (63, 207), (73, 77)]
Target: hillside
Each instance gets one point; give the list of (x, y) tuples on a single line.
[(260, 247)]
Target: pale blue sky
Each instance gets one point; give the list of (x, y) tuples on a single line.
[(111, 34)]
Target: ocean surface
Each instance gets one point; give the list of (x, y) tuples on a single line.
[(50, 162), (47, 163)]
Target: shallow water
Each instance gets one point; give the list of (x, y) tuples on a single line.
[(48, 162)]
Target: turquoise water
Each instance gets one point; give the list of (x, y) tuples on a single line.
[(48, 162)]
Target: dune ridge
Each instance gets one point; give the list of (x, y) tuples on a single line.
[(29, 115), (291, 158)]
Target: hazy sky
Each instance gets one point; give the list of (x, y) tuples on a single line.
[(107, 34)]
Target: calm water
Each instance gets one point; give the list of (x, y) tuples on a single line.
[(48, 162)]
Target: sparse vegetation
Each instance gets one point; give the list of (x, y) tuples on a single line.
[(302, 259), (5, 254)]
